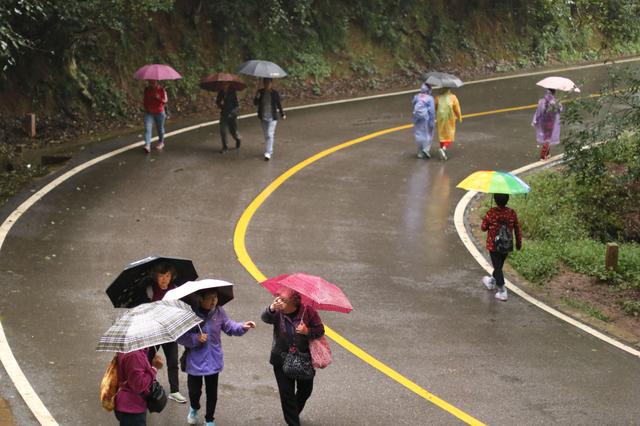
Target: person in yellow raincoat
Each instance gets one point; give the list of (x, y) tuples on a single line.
[(447, 111)]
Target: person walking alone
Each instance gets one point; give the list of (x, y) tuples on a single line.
[(155, 98), (227, 101), (447, 111), (424, 120), (270, 109), (500, 223), (546, 121), (294, 325)]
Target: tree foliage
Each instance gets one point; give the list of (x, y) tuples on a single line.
[(603, 155)]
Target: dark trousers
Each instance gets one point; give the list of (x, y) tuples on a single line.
[(130, 419), (497, 260), (292, 401), (195, 392), (171, 354), (227, 122)]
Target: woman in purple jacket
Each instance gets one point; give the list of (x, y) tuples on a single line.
[(204, 353), (135, 376), (293, 324)]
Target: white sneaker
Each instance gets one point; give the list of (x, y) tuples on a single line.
[(489, 282), (443, 153), (421, 154), (192, 417), (502, 295), (177, 397), (267, 156), (427, 154)]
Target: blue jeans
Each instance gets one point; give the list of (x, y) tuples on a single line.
[(269, 130), (148, 126)]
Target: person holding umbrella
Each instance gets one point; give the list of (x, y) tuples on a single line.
[(270, 109), (293, 327), (499, 223), (130, 336), (204, 358), (227, 102), (161, 281), (546, 121), (155, 97)]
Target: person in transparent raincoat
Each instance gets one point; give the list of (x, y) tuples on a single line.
[(424, 120)]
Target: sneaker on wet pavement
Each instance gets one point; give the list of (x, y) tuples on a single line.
[(502, 295), (443, 153), (421, 154), (160, 146), (267, 156), (178, 397), (147, 148), (192, 417), (427, 154), (489, 282)]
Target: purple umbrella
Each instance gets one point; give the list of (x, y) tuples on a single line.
[(156, 72)]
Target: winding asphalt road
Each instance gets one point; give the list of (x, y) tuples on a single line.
[(370, 217)]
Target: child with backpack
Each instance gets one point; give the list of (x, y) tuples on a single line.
[(500, 223)]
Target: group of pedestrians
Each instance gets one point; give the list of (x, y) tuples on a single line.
[(266, 100), (294, 325), (429, 113), (500, 222)]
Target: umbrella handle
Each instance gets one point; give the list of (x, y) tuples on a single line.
[(199, 328)]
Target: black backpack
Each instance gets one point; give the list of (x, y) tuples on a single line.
[(503, 243)]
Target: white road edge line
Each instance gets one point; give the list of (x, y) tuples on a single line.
[(458, 218), (6, 355)]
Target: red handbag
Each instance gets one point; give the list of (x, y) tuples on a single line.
[(320, 352)]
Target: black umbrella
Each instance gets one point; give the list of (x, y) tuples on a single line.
[(263, 69), (130, 288)]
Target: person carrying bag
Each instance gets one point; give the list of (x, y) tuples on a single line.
[(293, 330)]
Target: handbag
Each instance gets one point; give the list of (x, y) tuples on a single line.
[(297, 365), (109, 385), (157, 398), (320, 352)]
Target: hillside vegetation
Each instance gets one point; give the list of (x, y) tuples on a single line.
[(72, 61)]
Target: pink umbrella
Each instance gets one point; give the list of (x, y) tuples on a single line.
[(314, 291), (156, 72)]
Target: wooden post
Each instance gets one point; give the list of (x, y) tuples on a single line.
[(31, 125), (611, 257)]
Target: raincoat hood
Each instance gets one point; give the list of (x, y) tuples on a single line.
[(425, 88)]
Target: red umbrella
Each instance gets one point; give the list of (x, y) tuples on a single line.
[(156, 72), (314, 291), (214, 82)]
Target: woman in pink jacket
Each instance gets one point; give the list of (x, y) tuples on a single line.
[(135, 376)]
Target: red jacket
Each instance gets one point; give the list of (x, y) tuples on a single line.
[(154, 99), (135, 375), (497, 216)]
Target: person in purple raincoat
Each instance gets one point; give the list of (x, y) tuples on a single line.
[(424, 120), (204, 357), (546, 121)]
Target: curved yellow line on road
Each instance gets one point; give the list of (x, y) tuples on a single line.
[(246, 261)]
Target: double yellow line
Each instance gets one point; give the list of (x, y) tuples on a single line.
[(245, 259)]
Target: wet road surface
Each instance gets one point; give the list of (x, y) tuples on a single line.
[(372, 218)]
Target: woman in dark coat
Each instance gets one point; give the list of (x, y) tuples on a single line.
[(293, 324)]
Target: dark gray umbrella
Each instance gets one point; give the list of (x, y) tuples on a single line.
[(263, 69), (129, 289), (442, 79)]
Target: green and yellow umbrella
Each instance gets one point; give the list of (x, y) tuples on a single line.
[(494, 182)]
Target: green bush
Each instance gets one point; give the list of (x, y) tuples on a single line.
[(537, 261)]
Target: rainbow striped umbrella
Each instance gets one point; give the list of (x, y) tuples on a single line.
[(494, 182)]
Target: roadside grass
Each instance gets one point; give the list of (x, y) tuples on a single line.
[(589, 310)]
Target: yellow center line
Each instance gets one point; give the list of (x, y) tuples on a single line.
[(245, 260)]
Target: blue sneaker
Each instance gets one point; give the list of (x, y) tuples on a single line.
[(213, 423), (192, 418)]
